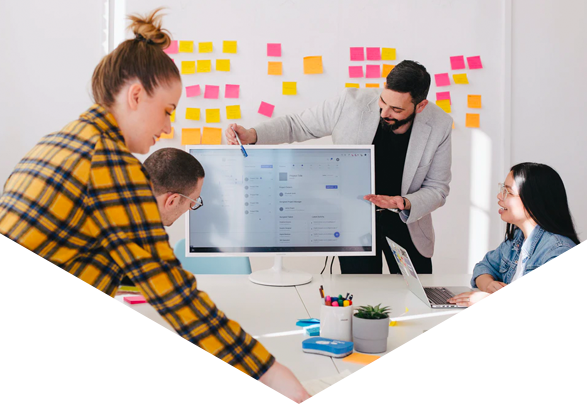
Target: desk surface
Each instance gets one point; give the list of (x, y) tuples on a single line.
[(412, 365)]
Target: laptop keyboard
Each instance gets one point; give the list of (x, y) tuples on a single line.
[(438, 295)]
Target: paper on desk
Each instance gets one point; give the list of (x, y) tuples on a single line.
[(315, 386)]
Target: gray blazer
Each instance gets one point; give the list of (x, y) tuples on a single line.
[(352, 118)]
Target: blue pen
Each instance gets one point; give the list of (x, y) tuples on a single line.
[(239, 142)]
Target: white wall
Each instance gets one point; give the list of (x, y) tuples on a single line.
[(549, 87)]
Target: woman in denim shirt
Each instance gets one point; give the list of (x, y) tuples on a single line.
[(534, 203)]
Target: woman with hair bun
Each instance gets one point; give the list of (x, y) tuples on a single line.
[(81, 200)]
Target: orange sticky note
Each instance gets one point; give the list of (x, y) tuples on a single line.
[(453, 124), (188, 67), (361, 359), (444, 104), (186, 46), (205, 47), (290, 88), (474, 101), (275, 68), (223, 65), (212, 116), (372, 85), (204, 66), (192, 113), (167, 135), (385, 69), (354, 85), (387, 53), (233, 112), (460, 78), (313, 65), (212, 136), (472, 121), (191, 136), (229, 47)]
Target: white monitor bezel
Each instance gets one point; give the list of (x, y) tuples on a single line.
[(188, 148)]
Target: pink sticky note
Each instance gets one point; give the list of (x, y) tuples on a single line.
[(373, 71), (457, 62), (443, 95), (273, 49), (357, 53), (442, 79), (266, 109), (231, 91), (172, 48), (211, 91), (373, 53), (192, 91), (475, 62), (355, 71), (135, 299)]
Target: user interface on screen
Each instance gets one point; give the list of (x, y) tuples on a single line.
[(283, 200)]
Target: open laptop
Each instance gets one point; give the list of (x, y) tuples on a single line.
[(434, 297), (474, 348)]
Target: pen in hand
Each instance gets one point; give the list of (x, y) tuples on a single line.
[(239, 142)]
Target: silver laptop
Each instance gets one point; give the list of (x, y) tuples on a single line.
[(434, 297), (474, 348)]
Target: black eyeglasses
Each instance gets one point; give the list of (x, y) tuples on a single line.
[(198, 203)]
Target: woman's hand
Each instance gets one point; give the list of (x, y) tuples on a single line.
[(494, 286), (468, 298)]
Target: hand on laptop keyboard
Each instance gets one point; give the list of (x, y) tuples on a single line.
[(468, 298)]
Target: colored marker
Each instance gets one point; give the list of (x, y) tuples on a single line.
[(335, 303), (346, 303)]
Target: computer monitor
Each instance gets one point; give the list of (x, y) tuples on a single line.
[(283, 200)]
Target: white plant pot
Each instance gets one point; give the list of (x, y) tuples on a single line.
[(370, 336)]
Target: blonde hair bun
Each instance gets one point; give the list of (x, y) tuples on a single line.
[(149, 29)]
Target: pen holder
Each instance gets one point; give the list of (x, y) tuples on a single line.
[(336, 322)]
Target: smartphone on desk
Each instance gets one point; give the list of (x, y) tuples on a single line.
[(517, 374)]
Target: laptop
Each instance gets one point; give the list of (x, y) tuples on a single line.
[(434, 297), (474, 348)]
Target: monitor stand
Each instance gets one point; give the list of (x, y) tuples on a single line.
[(277, 276)]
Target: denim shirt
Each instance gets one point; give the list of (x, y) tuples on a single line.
[(554, 286)]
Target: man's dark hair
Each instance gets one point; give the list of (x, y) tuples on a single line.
[(409, 77), (173, 170)]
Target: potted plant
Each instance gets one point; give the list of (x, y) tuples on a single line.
[(371, 329)]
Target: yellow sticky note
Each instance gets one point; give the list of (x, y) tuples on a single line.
[(212, 116), (558, 375), (362, 359), (472, 121), (385, 69), (290, 88), (474, 101), (167, 135), (233, 112), (444, 104), (313, 65), (188, 67), (205, 47), (392, 323), (387, 53), (372, 85), (192, 113), (212, 136), (229, 47), (460, 78), (173, 116), (275, 68), (191, 136), (186, 46), (353, 85), (204, 66), (223, 65)]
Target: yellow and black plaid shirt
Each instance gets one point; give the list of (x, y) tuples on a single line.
[(81, 200)]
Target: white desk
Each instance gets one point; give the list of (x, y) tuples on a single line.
[(412, 365)]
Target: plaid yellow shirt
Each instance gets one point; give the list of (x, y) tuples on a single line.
[(81, 200)]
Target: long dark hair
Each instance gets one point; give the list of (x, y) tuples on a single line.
[(543, 194)]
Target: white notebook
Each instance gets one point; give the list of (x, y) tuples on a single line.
[(346, 388)]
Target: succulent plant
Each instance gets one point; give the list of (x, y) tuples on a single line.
[(372, 313)]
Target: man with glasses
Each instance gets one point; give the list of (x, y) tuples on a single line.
[(412, 141)]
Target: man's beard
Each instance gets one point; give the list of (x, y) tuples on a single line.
[(394, 124)]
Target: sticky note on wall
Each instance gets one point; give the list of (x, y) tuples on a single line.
[(457, 62), (191, 136), (223, 65), (266, 109), (173, 116), (313, 65), (290, 88), (355, 71), (352, 85), (233, 112), (274, 49), (443, 95), (205, 47), (192, 113), (213, 116), (186, 46), (229, 47), (231, 91), (358, 54), (167, 135), (445, 105), (472, 121), (474, 101), (475, 62), (442, 79), (188, 67), (388, 54), (211, 92), (274, 68), (460, 78), (373, 71), (385, 69), (373, 53), (204, 66), (192, 91), (372, 85), (212, 136), (172, 49)]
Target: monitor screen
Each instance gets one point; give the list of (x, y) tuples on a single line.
[(284, 199)]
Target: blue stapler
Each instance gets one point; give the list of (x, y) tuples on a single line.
[(328, 347)]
